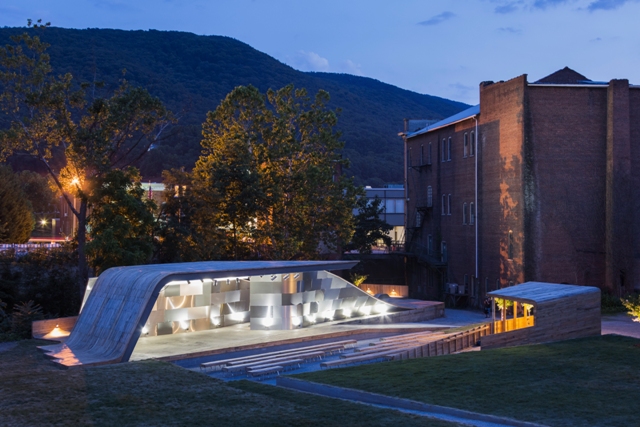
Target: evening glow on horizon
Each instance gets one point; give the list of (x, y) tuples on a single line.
[(438, 48)]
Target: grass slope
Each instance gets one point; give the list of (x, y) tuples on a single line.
[(34, 392), (585, 382)]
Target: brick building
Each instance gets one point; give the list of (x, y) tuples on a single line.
[(535, 183)]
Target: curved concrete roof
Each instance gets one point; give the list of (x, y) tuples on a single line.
[(109, 325)]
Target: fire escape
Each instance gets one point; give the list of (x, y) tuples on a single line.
[(421, 233)]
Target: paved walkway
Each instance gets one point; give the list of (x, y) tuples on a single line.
[(620, 324)]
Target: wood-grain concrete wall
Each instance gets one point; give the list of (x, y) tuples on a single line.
[(560, 319)]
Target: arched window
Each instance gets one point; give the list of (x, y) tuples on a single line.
[(464, 213), (472, 213), (466, 144), (472, 145), (449, 150)]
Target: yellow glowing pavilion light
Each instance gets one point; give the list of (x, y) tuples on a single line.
[(369, 291), (57, 333)]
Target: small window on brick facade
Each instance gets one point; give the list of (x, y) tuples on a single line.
[(449, 205), (429, 197), (429, 158), (421, 154), (472, 144), (510, 245), (444, 150), (444, 204), (472, 213), (464, 213), (449, 150), (466, 144)]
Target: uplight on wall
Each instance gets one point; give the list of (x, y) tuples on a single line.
[(365, 309)]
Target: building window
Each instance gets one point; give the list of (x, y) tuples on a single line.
[(399, 205), (464, 213), (444, 150), (429, 197), (466, 144), (444, 204), (510, 245), (472, 145), (421, 154), (449, 150), (449, 205), (443, 251), (390, 206), (472, 213), (429, 153), (418, 219), (429, 244)]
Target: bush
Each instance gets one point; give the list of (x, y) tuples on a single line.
[(47, 277), (611, 304), (632, 304), (23, 315)]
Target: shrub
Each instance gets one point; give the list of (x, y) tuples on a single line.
[(23, 315), (632, 304), (611, 304)]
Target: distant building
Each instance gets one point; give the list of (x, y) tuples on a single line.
[(536, 183), (392, 198)]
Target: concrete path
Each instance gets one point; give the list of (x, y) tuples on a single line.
[(620, 324), (404, 405)]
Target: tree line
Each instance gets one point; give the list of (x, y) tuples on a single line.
[(268, 184)]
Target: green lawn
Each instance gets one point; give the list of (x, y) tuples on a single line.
[(35, 392), (585, 382)]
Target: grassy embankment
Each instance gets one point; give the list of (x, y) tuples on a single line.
[(585, 382), (34, 392)]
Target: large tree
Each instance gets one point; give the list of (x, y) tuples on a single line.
[(369, 227), (16, 215), (270, 174), (121, 222), (96, 133)]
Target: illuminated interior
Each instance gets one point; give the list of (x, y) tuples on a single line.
[(277, 301)]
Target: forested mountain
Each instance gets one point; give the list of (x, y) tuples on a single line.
[(192, 74)]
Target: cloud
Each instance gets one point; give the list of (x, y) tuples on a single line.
[(510, 30), (543, 4), (310, 61), (438, 19), (351, 67), (606, 4), (507, 8)]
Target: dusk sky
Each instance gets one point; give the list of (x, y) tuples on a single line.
[(436, 47)]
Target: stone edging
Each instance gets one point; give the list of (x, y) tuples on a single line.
[(393, 402)]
